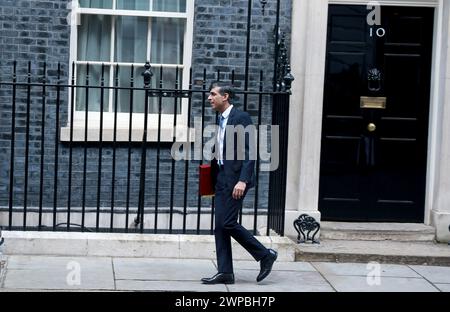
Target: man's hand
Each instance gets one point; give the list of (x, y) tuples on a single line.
[(239, 190)]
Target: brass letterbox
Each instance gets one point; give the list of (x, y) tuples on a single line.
[(373, 102)]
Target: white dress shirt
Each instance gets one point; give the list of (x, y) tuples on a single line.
[(221, 136)]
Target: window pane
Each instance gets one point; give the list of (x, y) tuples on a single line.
[(133, 5), (167, 40), (169, 79), (94, 96), (169, 5), (124, 98), (97, 4), (131, 39), (94, 38)]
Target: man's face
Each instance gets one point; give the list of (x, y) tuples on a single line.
[(218, 101)]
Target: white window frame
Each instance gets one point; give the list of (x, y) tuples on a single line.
[(123, 119)]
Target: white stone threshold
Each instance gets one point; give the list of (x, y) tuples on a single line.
[(132, 245)]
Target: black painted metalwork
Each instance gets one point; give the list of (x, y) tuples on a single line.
[(80, 152), (13, 141), (130, 139), (263, 5), (56, 142), (114, 147), (100, 148), (86, 128), (280, 118), (203, 103), (277, 189), (27, 147), (158, 152), (70, 169), (305, 225), (147, 74), (81, 171), (284, 77), (41, 187)]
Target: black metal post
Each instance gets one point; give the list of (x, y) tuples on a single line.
[(13, 140), (55, 181), (72, 112), (172, 176), (247, 52), (100, 148), (86, 126), (277, 45), (158, 151), (199, 202), (41, 186), (147, 74), (258, 137), (130, 139), (27, 147), (188, 154), (113, 176)]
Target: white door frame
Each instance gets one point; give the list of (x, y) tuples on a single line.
[(308, 53)]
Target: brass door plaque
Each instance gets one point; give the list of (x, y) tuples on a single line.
[(373, 102)]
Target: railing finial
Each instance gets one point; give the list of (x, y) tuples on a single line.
[(147, 74), (263, 5)]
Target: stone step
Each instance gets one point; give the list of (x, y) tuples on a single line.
[(377, 232), (417, 253), (132, 245)]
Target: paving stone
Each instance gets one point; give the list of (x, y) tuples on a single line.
[(280, 282), (182, 286), (387, 284), (362, 269), (59, 273), (433, 274), (163, 269), (278, 266), (443, 287)]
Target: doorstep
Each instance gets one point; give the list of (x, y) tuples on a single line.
[(394, 252)]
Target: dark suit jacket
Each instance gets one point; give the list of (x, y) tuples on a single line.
[(237, 170)]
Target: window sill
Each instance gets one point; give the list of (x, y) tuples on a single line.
[(122, 135)]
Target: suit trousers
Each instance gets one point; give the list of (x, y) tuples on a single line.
[(227, 226)]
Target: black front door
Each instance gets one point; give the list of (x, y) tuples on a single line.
[(375, 125)]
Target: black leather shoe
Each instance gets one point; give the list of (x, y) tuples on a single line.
[(266, 265), (219, 278)]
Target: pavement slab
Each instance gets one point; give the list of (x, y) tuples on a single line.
[(361, 269), (386, 284), (59, 273), (443, 287), (163, 269), (438, 275), (172, 286), (280, 281), (277, 266)]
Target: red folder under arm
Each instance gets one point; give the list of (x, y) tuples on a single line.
[(206, 181)]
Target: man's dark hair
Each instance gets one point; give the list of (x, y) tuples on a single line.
[(224, 88)]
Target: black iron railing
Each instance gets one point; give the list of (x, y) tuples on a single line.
[(111, 185)]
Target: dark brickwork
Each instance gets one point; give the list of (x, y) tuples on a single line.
[(37, 31), (220, 38)]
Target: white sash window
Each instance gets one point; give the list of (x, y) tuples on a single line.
[(114, 35)]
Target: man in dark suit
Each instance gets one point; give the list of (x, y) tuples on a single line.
[(234, 172)]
